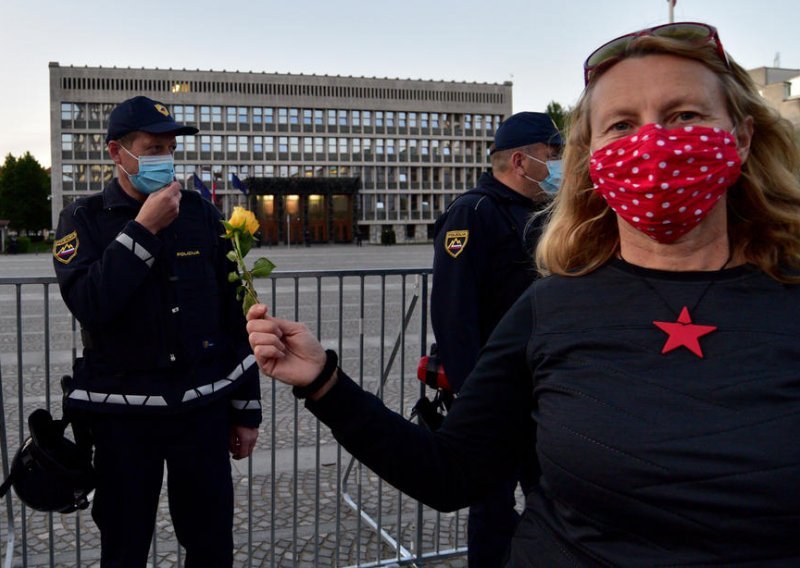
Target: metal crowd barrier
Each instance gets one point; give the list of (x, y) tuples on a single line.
[(301, 500)]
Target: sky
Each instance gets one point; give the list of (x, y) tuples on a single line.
[(539, 46)]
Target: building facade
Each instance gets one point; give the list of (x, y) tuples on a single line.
[(323, 157), (781, 88)]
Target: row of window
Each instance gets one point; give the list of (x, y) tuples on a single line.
[(98, 112), (76, 145), (83, 177), (426, 206), (279, 89), (334, 145), (398, 206), (373, 206)]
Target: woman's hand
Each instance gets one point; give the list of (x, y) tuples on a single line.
[(285, 350)]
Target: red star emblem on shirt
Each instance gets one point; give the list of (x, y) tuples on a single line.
[(684, 333)]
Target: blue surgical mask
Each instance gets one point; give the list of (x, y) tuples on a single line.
[(155, 172), (551, 183)]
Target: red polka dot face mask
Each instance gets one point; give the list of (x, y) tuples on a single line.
[(665, 181)]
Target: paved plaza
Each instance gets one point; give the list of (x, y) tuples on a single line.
[(297, 518)]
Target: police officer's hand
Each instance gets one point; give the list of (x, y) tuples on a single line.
[(285, 350), (242, 441), (160, 208)]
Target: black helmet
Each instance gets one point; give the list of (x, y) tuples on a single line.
[(51, 472)]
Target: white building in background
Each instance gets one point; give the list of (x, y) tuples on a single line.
[(323, 156), (781, 87)]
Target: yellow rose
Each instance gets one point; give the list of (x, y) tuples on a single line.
[(240, 229), (252, 223), (243, 219)]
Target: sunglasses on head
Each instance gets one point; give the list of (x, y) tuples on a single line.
[(693, 33)]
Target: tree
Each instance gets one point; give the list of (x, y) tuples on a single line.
[(558, 114), (24, 193)]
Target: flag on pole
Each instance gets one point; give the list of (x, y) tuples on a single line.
[(237, 183), (671, 10), (201, 187)]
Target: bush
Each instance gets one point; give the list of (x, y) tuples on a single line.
[(23, 244), (388, 237), (42, 246)]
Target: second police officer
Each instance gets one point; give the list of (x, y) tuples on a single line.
[(483, 261)]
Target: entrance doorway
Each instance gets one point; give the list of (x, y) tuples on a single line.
[(342, 218), (293, 219), (268, 219), (305, 209), (317, 218)]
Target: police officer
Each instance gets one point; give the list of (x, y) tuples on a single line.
[(167, 376), (482, 262)]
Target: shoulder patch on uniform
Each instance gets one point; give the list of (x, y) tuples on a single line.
[(65, 248), (455, 242)]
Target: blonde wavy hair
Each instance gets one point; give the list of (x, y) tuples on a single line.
[(763, 206)]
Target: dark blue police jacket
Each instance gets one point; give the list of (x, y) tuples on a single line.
[(161, 326), (482, 262)]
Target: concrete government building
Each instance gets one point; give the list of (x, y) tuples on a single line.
[(321, 156)]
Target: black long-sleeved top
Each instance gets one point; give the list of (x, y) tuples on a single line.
[(161, 325), (645, 458)]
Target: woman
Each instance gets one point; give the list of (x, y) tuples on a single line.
[(653, 374)]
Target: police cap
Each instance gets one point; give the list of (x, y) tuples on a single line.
[(526, 128), (145, 115)]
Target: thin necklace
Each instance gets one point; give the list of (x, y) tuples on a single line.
[(682, 332)]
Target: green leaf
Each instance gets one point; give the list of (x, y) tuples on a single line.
[(245, 243), (231, 256), (262, 268), (247, 303), (228, 226), (233, 277), (240, 292)]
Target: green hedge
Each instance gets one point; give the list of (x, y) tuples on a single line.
[(26, 244), (23, 244)]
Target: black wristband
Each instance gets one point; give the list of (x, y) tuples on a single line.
[(331, 362)]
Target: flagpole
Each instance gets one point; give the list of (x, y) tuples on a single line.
[(671, 10)]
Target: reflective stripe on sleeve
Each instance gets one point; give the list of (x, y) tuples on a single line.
[(113, 398), (246, 404), (137, 249), (191, 394), (204, 390)]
